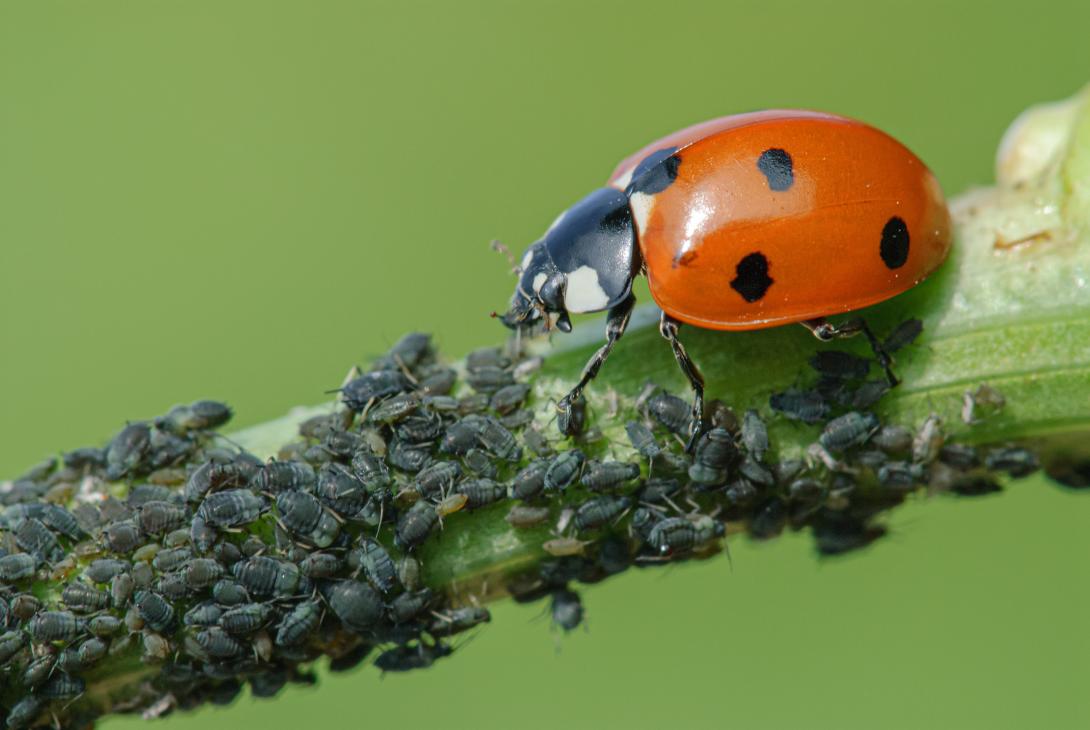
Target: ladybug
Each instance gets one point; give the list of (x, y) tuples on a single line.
[(741, 223)]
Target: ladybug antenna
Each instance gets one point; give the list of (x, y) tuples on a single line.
[(500, 248)]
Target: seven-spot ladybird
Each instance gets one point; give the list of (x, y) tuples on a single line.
[(740, 223)]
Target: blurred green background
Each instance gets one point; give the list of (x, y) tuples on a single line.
[(240, 199)]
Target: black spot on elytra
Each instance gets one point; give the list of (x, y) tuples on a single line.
[(655, 173), (894, 247), (775, 165), (752, 280)]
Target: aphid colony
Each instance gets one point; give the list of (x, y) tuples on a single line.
[(173, 545)]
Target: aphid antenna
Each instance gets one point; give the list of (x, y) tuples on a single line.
[(649, 389), (673, 504), (236, 444), (381, 515), (56, 722), (653, 506), (692, 503), (621, 516), (334, 515), (405, 370), (353, 372)]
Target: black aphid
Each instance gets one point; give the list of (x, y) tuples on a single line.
[(370, 470), (489, 378), (600, 475), (155, 610), (25, 711), (713, 455), (35, 538), (156, 518), (438, 477), (508, 398), (851, 429), (104, 625), (321, 565), (1016, 461), (768, 519), (229, 592), (298, 623), (530, 480), (415, 524), (406, 658), (280, 476), (801, 405), (231, 508), (126, 450), (903, 334), (642, 439), (341, 490), (377, 564), (357, 605), (672, 412), (409, 605), (265, 576), (566, 609), (481, 492), (202, 573), (754, 435), (17, 566), (62, 686), (393, 409), (407, 457), (840, 365), (657, 490), (83, 598), (369, 387), (674, 534), (205, 613), (411, 351), (598, 511), (202, 415), (564, 469), (218, 644), (245, 619)]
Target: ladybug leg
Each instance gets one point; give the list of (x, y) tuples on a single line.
[(826, 332), (668, 327), (616, 324)]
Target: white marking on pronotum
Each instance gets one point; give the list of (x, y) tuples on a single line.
[(539, 281), (622, 182), (526, 259), (641, 204), (584, 293)]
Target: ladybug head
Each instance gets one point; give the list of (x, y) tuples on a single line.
[(585, 263)]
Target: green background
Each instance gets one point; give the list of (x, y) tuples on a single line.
[(239, 200)]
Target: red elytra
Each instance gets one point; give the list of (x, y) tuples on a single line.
[(842, 215)]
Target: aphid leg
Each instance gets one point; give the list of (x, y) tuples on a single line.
[(826, 332), (616, 323), (668, 327)]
